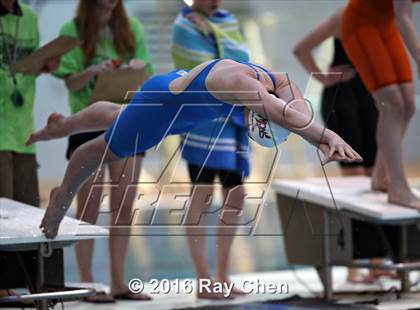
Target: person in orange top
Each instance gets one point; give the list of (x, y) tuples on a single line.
[(373, 34)]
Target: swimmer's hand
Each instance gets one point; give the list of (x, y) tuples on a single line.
[(338, 74), (338, 150)]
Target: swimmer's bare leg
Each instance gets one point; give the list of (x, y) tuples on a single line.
[(228, 221), (98, 116), (390, 133), (83, 164), (380, 178)]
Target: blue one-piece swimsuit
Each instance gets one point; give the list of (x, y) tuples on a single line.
[(155, 112)]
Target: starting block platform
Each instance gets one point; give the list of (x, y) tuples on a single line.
[(320, 218), (351, 194), (19, 228), (28, 259)]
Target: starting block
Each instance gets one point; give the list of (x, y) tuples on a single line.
[(319, 219), (28, 259)]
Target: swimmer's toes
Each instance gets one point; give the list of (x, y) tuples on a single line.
[(35, 137), (50, 233), (412, 201)]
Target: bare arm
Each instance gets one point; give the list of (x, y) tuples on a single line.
[(290, 111), (403, 12), (303, 51), (289, 92), (80, 80)]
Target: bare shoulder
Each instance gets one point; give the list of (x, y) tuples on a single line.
[(227, 74), (178, 85), (230, 81)]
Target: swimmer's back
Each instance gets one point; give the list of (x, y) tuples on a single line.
[(222, 71), (213, 82)]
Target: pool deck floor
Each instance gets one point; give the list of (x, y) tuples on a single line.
[(301, 282)]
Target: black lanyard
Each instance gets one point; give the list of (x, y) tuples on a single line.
[(16, 96), (12, 59)]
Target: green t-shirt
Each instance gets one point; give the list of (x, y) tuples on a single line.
[(73, 61), (16, 122)]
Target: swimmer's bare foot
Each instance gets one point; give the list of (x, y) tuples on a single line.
[(403, 197), (379, 180), (379, 185), (53, 215), (53, 129), (205, 294)]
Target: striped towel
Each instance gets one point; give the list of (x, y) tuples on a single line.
[(219, 144)]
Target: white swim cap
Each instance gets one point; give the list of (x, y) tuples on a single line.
[(265, 132)]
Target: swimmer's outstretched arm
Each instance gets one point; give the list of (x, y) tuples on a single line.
[(97, 117), (289, 92), (291, 112)]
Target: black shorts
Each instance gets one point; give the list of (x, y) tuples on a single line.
[(77, 140), (19, 177), (228, 178), (349, 110)]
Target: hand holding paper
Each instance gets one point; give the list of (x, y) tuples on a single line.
[(118, 85), (37, 62), (51, 64), (137, 64), (102, 67)]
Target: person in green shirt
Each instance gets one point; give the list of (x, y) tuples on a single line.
[(19, 37), (108, 36)]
